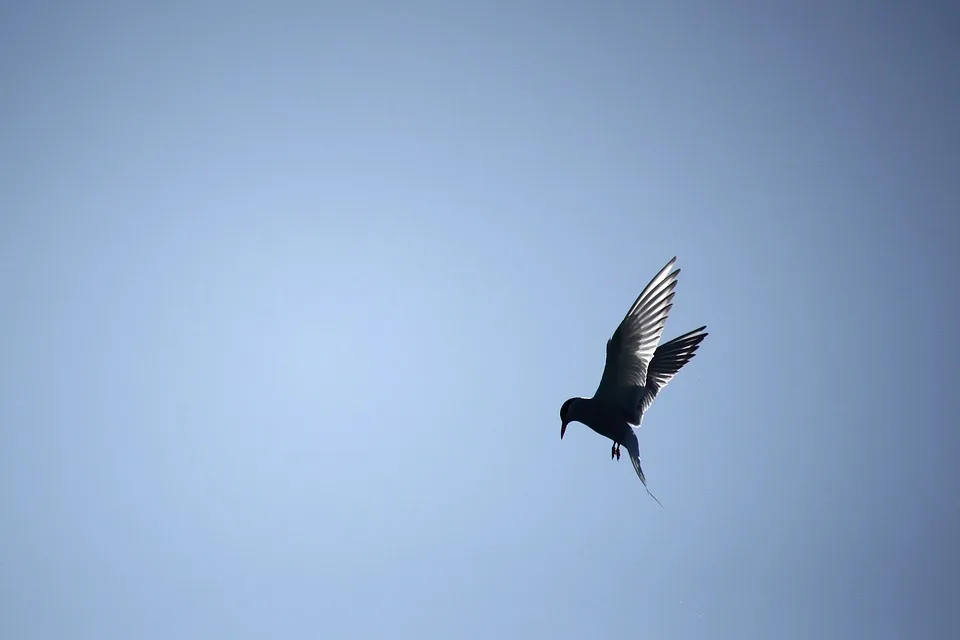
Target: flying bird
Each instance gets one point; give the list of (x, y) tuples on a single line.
[(636, 370)]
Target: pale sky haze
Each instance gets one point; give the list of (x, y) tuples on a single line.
[(292, 293)]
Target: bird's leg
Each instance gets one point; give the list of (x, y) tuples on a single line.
[(613, 450), (618, 451)]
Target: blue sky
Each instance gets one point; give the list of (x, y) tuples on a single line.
[(292, 294)]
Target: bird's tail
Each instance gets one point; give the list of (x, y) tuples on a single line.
[(636, 467)]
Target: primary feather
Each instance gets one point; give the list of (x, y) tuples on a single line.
[(633, 344), (668, 359)]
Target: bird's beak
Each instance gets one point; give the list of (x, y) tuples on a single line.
[(563, 428)]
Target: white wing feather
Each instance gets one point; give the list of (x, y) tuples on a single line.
[(634, 343)]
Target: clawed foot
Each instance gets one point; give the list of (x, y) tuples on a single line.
[(615, 451)]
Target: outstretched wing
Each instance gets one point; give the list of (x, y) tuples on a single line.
[(633, 450), (668, 359), (633, 344)]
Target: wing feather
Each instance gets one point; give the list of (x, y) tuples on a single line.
[(668, 359), (634, 343)]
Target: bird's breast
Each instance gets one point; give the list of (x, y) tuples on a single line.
[(613, 429)]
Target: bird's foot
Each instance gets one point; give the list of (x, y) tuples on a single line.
[(615, 451)]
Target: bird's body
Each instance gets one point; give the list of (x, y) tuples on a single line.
[(635, 371), (601, 417)]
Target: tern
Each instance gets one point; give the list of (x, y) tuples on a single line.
[(636, 370)]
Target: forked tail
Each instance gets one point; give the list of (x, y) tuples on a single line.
[(636, 467), (633, 448)]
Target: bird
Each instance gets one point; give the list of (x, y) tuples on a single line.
[(636, 370)]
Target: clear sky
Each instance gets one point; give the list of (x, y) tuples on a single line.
[(292, 294)]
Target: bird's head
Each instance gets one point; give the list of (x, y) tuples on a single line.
[(565, 417)]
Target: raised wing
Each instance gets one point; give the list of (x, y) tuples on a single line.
[(668, 359), (633, 344)]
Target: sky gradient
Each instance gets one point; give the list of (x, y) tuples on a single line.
[(292, 294)]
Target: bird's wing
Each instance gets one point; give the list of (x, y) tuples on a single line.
[(667, 361), (633, 344), (633, 450)]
